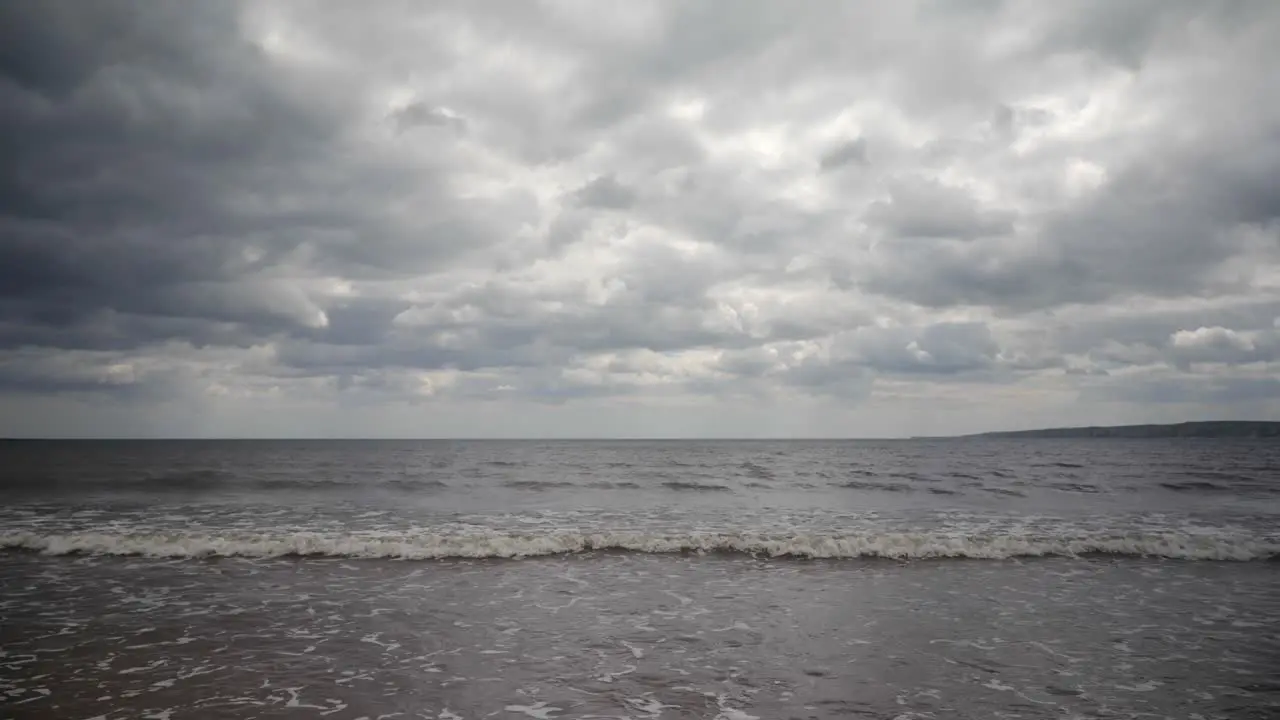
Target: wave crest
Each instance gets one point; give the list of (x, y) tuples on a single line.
[(411, 546)]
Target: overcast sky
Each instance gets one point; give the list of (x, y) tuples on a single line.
[(589, 218)]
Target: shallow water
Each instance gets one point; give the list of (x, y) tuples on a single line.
[(570, 580)]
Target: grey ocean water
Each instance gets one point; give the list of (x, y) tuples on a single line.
[(911, 579)]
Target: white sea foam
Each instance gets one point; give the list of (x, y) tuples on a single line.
[(492, 544)]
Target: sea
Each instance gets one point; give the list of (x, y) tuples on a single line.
[(727, 580)]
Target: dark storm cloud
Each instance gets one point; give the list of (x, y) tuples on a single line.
[(843, 379), (944, 348), (1167, 220), (155, 163), (21, 383), (355, 321), (1125, 33), (418, 114), (851, 152), (548, 203), (920, 208), (1162, 227), (36, 372), (606, 192)]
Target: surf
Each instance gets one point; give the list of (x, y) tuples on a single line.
[(426, 545)]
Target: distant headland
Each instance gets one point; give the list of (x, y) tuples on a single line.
[(1207, 429)]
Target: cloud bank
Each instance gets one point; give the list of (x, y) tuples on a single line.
[(636, 219)]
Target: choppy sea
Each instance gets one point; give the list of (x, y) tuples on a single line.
[(677, 579)]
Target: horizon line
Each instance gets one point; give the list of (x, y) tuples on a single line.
[(621, 438)]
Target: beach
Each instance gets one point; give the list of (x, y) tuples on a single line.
[(920, 579)]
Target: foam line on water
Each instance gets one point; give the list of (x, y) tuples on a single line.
[(426, 545)]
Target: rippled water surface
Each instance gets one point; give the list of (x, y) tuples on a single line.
[(921, 579)]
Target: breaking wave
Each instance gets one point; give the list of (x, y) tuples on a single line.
[(537, 484), (1194, 486), (887, 487), (684, 486), (410, 546)]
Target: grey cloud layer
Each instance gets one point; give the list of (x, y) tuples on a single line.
[(237, 206)]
